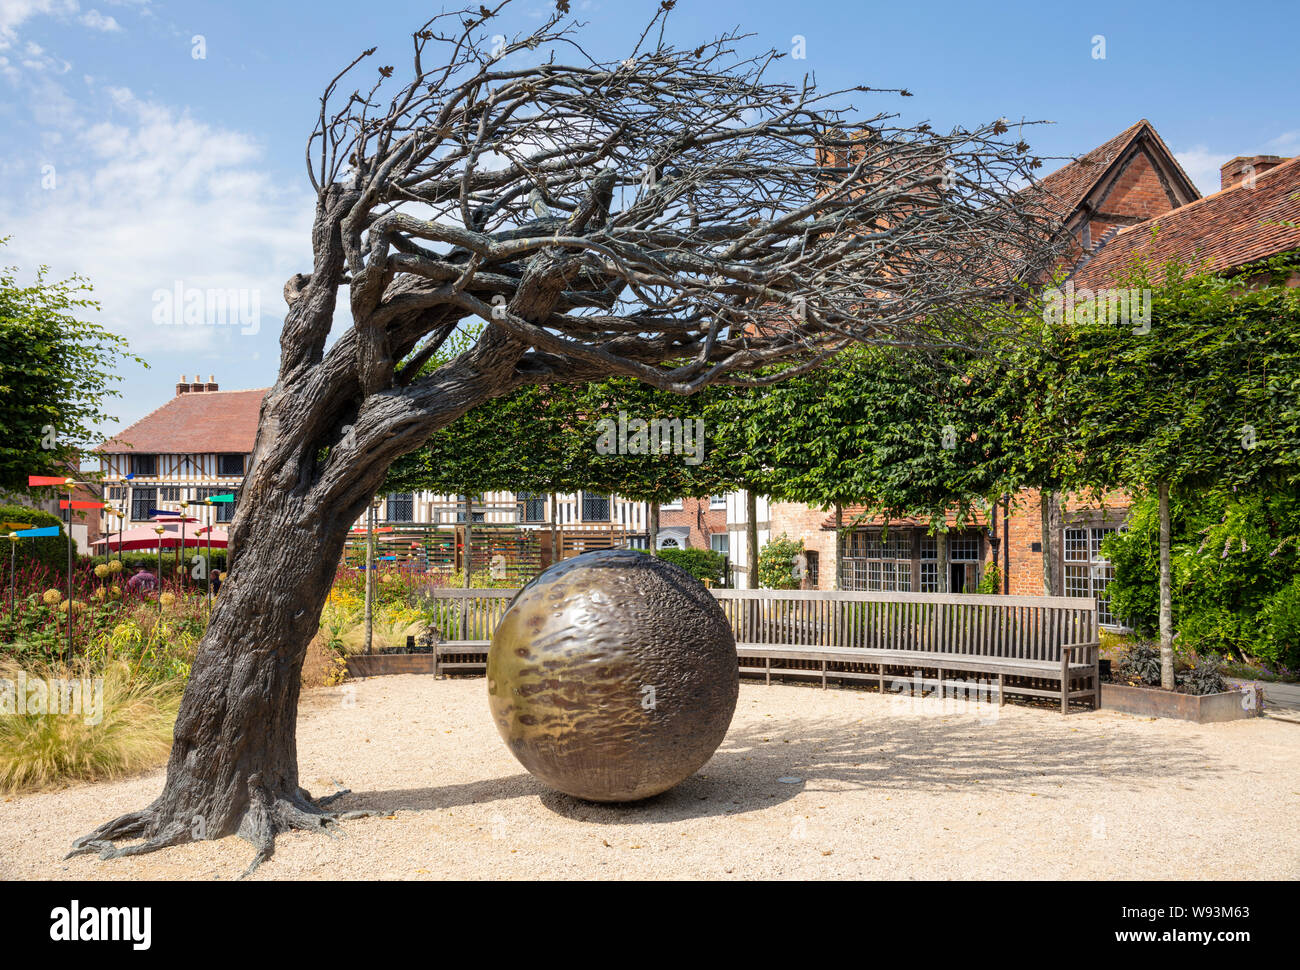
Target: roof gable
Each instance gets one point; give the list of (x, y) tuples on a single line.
[(198, 423), (1231, 228), (1083, 185)]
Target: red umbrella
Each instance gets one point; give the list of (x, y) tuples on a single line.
[(143, 537)]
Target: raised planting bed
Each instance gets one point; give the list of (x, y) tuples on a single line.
[(378, 664), (1247, 701)]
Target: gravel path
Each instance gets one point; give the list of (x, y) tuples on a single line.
[(809, 783)]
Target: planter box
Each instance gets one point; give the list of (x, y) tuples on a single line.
[(1202, 708), (378, 664)]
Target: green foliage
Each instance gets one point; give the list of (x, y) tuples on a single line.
[(903, 431), (1209, 396), (700, 563), (1236, 573), (991, 582), (55, 370), (51, 552), (545, 439), (776, 563)]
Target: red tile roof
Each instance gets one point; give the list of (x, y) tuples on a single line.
[(1228, 229), (197, 423), (851, 513), (1072, 182)]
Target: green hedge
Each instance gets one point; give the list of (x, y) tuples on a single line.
[(1236, 574), (50, 552), (700, 563)]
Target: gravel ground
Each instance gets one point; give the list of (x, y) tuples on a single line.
[(810, 783)]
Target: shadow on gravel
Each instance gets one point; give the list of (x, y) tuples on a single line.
[(762, 765)]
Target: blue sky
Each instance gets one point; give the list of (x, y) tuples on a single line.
[(126, 159)]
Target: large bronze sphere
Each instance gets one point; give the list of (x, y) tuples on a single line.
[(613, 676)]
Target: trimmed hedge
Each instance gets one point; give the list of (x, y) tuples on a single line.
[(700, 563), (50, 552)]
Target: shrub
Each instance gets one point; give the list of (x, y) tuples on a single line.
[(1202, 676), (1236, 574), (776, 563), (700, 563), (49, 552), (1140, 663)]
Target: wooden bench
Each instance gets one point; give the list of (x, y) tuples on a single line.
[(756, 658), (1034, 646)]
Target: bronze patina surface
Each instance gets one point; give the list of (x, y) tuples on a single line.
[(613, 676)]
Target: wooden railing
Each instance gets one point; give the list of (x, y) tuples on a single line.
[(1020, 627)]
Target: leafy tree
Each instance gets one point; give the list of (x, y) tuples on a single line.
[(1204, 397), (55, 371)]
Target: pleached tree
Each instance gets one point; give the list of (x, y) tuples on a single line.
[(673, 215)]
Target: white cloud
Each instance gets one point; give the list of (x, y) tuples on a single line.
[(145, 196), (98, 21), (14, 13), (1202, 167)]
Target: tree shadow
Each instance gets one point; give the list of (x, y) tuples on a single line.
[(761, 765)]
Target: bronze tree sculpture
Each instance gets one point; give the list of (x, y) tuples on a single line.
[(705, 223)]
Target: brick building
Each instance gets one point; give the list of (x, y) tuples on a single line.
[(1126, 197)]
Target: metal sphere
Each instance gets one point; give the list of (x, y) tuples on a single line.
[(613, 676)]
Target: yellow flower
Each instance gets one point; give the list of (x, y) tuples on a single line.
[(167, 599), (101, 571), (51, 597), (115, 566)]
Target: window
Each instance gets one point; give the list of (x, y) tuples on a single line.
[(142, 465), (876, 562), (668, 543), (595, 508), (230, 464), (717, 501), (812, 557), (401, 507), (169, 493), (142, 500), (720, 542), (474, 516), (532, 506), (226, 510), (672, 505), (1087, 573), (929, 564), (116, 493)]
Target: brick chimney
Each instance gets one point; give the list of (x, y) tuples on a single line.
[(195, 386), (1244, 166)]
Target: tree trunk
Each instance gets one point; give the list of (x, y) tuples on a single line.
[(751, 537), (1166, 594), (941, 554), (652, 527), (839, 547), (1049, 507), (233, 768)]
